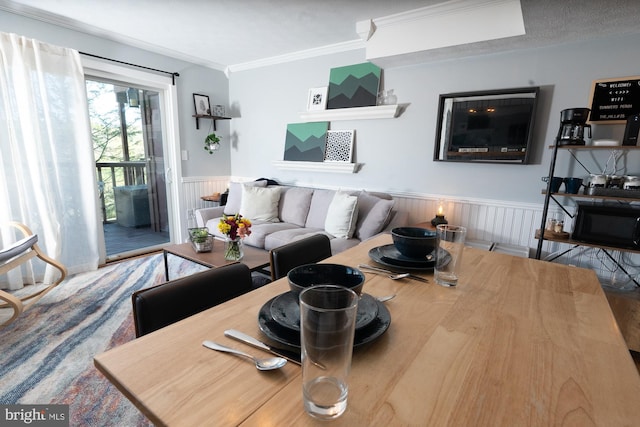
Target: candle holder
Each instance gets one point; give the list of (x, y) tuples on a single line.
[(439, 219)]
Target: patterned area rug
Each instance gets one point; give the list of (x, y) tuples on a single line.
[(47, 353)]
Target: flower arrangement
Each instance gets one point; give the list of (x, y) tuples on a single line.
[(236, 227)]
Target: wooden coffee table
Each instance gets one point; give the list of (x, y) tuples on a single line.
[(254, 258)]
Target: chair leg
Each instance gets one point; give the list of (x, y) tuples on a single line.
[(12, 302), (17, 304), (33, 298)]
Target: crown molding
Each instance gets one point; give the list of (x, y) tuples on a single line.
[(296, 56)]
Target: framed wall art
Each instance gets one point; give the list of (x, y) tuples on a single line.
[(306, 141), (354, 86), (339, 146), (317, 99), (201, 104)]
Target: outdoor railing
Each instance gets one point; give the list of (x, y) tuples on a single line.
[(116, 174)]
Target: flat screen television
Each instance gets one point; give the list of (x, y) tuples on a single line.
[(487, 126)]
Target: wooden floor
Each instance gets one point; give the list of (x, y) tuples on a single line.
[(119, 239)]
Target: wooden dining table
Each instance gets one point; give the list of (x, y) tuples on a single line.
[(519, 342)]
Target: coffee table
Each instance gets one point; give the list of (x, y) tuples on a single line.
[(254, 258)]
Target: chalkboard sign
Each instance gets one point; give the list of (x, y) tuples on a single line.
[(613, 100)]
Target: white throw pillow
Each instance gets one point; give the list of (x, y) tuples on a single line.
[(342, 215), (260, 203), (235, 195)]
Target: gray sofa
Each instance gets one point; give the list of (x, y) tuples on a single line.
[(303, 212)]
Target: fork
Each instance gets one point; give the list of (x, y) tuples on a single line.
[(389, 272)]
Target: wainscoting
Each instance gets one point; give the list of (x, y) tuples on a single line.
[(488, 220)]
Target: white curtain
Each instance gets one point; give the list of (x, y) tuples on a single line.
[(47, 171)]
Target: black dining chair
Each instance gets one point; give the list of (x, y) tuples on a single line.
[(167, 303), (304, 251)]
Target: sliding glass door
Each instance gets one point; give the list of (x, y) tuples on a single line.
[(130, 138)]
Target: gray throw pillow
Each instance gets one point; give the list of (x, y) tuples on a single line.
[(373, 215)]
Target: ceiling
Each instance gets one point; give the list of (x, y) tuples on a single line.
[(237, 34)]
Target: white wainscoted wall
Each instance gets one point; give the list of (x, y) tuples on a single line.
[(486, 220)]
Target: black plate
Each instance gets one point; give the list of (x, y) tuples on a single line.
[(386, 258), (283, 335), (285, 310), (391, 255)]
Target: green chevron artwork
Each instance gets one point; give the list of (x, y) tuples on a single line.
[(306, 141), (354, 86)]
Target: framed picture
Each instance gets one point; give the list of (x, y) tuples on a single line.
[(306, 142), (201, 103), (317, 98), (339, 146), (218, 110), (354, 86)]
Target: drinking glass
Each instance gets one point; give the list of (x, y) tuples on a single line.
[(327, 326), (450, 245)]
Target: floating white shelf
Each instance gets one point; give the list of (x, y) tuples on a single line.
[(335, 167), (355, 113)]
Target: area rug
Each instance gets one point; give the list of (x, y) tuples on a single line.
[(47, 353)]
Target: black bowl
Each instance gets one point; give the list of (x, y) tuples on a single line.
[(307, 275), (414, 242)]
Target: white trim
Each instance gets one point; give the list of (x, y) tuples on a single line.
[(296, 56)]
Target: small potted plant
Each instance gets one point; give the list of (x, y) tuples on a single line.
[(201, 240), (212, 143)]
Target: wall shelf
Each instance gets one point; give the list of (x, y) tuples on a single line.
[(335, 167), (355, 113), (205, 116)]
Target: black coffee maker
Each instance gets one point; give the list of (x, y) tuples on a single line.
[(572, 126)]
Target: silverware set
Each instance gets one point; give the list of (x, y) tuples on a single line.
[(391, 274)]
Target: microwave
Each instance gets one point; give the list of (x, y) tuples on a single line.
[(608, 223)]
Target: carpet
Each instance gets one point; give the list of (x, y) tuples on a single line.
[(47, 353)]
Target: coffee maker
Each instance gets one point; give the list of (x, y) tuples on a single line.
[(572, 126)]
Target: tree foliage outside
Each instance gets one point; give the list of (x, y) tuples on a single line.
[(105, 101)]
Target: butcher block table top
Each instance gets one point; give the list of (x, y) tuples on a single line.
[(519, 342)]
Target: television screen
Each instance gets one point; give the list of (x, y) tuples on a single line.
[(490, 126)]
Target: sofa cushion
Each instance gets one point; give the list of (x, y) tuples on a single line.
[(342, 215), (261, 229), (320, 202), (260, 204), (234, 200), (294, 205), (373, 214), (279, 238)]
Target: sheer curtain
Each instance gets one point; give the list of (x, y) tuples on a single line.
[(47, 175)]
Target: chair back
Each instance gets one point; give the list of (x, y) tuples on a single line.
[(167, 303), (304, 251)]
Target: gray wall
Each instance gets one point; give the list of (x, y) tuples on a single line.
[(193, 79), (397, 153)]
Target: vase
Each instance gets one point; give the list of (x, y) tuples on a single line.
[(233, 249)]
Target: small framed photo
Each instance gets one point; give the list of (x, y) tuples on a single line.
[(201, 102), (218, 110), (339, 146), (317, 99)]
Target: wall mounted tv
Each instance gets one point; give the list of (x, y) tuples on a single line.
[(488, 126)]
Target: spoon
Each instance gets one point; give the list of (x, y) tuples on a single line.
[(262, 364), (386, 298)]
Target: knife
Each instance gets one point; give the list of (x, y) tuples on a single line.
[(240, 336), (382, 270)]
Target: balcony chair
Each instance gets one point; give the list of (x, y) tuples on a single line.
[(167, 303), (304, 251), (13, 257)]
